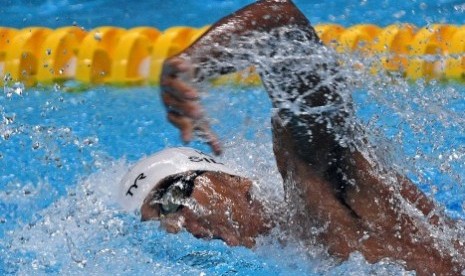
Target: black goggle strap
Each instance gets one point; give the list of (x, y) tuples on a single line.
[(173, 190)]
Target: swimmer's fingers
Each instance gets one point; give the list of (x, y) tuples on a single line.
[(176, 77), (188, 108), (188, 126), (187, 117), (182, 102), (183, 123), (178, 88), (202, 128)]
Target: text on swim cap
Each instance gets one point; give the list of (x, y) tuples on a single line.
[(203, 158), (139, 177)]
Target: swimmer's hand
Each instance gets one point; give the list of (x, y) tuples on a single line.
[(182, 103)]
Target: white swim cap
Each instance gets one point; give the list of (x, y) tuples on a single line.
[(147, 173)]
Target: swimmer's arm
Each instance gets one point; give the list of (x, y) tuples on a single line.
[(399, 219), (179, 73), (262, 16)]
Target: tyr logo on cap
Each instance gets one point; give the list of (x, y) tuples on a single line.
[(139, 177)]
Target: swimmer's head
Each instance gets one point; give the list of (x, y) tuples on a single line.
[(148, 172), (184, 188)]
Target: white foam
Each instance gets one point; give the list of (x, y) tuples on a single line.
[(85, 232)]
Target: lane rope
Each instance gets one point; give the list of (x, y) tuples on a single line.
[(117, 56)]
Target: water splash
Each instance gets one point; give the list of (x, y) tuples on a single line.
[(86, 231), (72, 224), (416, 115)]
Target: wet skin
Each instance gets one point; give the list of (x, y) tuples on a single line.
[(222, 208), (343, 191)]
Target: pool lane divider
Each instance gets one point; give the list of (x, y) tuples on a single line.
[(118, 56)]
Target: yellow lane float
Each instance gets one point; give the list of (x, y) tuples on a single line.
[(131, 62), (113, 55), (6, 35), (455, 63), (96, 55), (22, 56), (392, 46), (427, 49), (357, 38), (171, 42), (58, 57)]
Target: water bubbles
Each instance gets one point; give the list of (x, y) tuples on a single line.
[(8, 119), (266, 16), (88, 142), (12, 89), (98, 36), (460, 8), (399, 14), (35, 145), (7, 78), (6, 135)]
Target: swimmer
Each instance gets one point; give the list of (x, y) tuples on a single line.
[(321, 153), (163, 184)]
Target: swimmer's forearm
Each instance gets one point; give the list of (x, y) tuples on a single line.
[(261, 16)]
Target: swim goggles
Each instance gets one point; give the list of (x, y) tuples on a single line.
[(173, 191)]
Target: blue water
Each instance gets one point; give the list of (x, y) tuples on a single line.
[(60, 136), (62, 154), (163, 14)]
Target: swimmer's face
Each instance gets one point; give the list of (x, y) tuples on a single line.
[(219, 207)]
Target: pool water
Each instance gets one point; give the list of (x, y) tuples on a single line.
[(62, 154), (163, 14)]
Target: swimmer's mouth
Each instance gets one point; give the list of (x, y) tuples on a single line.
[(173, 192)]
